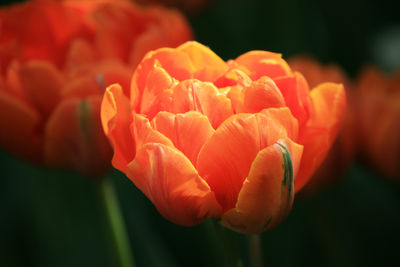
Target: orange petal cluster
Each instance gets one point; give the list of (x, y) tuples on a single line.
[(53, 74), (204, 138), (378, 111), (342, 153)]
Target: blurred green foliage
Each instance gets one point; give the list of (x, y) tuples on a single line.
[(52, 218)]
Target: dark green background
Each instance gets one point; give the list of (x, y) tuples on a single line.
[(52, 218)]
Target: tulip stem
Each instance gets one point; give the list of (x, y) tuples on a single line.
[(115, 224), (231, 253), (255, 251)]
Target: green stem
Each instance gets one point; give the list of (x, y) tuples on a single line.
[(232, 256), (115, 224), (255, 250)]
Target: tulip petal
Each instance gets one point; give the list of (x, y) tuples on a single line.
[(20, 124), (295, 91), (233, 77), (171, 182), (169, 29), (261, 94), (226, 158), (326, 114), (147, 41), (75, 140), (157, 92), (112, 40), (201, 96), (45, 41), (267, 193), (12, 84), (208, 65), (81, 87), (144, 133), (188, 131), (80, 53), (93, 79), (115, 118), (42, 83), (264, 63), (176, 63)]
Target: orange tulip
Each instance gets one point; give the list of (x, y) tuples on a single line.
[(53, 75), (204, 138), (378, 110), (340, 156)]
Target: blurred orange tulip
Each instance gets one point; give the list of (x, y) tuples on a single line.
[(378, 110), (342, 153), (53, 75), (204, 138)]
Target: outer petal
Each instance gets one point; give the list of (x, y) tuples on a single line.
[(75, 140), (263, 63), (327, 112), (295, 91), (267, 193), (208, 65), (188, 131), (21, 128), (171, 182), (144, 133), (225, 160), (201, 96), (42, 83), (115, 118), (317, 73)]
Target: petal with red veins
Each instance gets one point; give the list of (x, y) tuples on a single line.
[(326, 114), (157, 91), (144, 133), (208, 65), (203, 97), (296, 94), (264, 63), (267, 194), (176, 63), (188, 131), (261, 94), (116, 119), (171, 182)]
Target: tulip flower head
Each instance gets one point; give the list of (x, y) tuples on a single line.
[(203, 138), (56, 59)]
